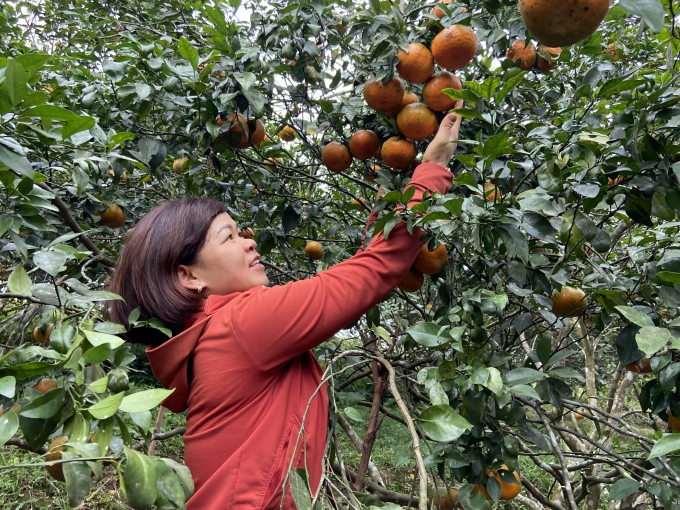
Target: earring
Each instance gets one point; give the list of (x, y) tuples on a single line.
[(199, 289)]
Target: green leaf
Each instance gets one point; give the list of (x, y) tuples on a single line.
[(650, 10), (667, 444), (188, 52), (8, 386), (465, 95), (668, 276), (76, 126), (618, 85), (9, 424), (46, 405), (144, 400), (140, 479), (77, 476), (33, 61), (623, 488), (27, 370), (15, 82), (523, 376), (651, 339), (19, 282), (635, 316), (508, 86), (107, 407), (51, 112), (515, 242), (299, 490), (468, 113), (96, 338), (353, 414), (99, 386), (183, 474), (428, 334), (16, 162), (50, 261), (443, 424), (169, 486), (524, 390)]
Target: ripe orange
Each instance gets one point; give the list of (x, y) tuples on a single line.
[(113, 216), (562, 22), (364, 144), (361, 203), (42, 334), (254, 136), (580, 416), (314, 250), (416, 121), (409, 98), (612, 182), (178, 164), (673, 422), (237, 131), (412, 281), (569, 302), (492, 192), (398, 152), (545, 58), (439, 13), (508, 490), (336, 157), (612, 51), (248, 233), (523, 51), (45, 384), (417, 65), (384, 96), (454, 47), (271, 163), (54, 453), (431, 262), (287, 134), (641, 366), (433, 96), (122, 177), (441, 498)]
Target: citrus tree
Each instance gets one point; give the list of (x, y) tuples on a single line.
[(539, 322)]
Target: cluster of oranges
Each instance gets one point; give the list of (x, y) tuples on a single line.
[(452, 49), (427, 262)]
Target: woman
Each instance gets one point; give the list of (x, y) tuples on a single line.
[(241, 361)]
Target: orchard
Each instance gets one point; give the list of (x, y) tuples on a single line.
[(528, 359)]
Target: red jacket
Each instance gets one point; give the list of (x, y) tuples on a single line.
[(253, 375)]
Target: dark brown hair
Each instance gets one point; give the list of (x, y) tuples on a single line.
[(146, 271)]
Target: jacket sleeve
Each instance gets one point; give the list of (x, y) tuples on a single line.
[(276, 324)]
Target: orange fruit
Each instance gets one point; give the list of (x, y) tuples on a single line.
[(454, 47), (45, 384), (54, 453), (579, 416), (42, 334), (398, 152), (416, 121), (271, 163), (409, 98), (491, 192), (236, 135), (378, 154), (508, 490), (439, 13), (673, 422), (336, 157), (612, 182), (412, 281), (431, 262), (545, 58), (524, 52), (314, 250), (287, 134), (433, 96), (569, 302), (254, 136), (417, 65), (641, 366), (540, 249), (612, 51), (113, 216), (361, 203), (178, 164), (384, 96), (364, 144), (441, 498), (248, 233), (562, 22)]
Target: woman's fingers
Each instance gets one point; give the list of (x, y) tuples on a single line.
[(441, 149)]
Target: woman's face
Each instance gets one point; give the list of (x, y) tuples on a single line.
[(227, 262)]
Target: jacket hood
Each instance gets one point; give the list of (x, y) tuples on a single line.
[(169, 362)]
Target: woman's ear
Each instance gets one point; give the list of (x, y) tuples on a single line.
[(188, 279)]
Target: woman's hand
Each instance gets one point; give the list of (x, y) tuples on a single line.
[(443, 146)]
